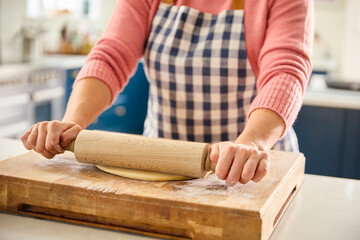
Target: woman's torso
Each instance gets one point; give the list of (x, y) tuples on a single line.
[(201, 81)]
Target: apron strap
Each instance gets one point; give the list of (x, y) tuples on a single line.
[(236, 5)]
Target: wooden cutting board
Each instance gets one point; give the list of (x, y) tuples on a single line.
[(65, 190)]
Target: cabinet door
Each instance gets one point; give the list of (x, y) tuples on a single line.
[(351, 160), (321, 137)]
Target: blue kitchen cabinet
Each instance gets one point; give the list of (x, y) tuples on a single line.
[(70, 76), (42, 112), (321, 136), (127, 114), (351, 162), (330, 140)]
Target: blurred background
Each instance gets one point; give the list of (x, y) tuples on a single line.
[(43, 44)]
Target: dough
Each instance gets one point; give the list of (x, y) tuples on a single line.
[(141, 174)]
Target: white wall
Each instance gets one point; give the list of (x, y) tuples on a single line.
[(107, 9), (338, 23), (12, 13), (351, 61), (329, 24)]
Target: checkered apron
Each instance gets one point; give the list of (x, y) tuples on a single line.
[(201, 82)]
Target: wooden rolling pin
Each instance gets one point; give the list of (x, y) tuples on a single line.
[(189, 159)]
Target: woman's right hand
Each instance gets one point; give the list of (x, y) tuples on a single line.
[(49, 138)]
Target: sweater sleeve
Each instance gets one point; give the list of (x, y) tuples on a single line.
[(114, 57), (284, 60)]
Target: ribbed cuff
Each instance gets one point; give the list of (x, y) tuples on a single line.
[(283, 94), (99, 69)]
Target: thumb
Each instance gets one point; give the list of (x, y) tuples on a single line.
[(214, 153)]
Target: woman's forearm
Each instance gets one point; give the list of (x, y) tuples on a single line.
[(89, 98), (262, 130)]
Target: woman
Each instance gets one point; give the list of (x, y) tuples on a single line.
[(212, 66)]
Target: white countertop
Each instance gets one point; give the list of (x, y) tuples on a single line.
[(324, 208), (318, 94)]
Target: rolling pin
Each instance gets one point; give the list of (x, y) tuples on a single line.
[(177, 157)]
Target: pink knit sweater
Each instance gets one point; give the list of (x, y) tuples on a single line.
[(278, 34)]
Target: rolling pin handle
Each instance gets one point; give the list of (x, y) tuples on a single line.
[(208, 165), (70, 147), (212, 166)]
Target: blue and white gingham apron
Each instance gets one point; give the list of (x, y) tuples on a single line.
[(201, 82)]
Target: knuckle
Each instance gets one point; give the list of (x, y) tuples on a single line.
[(39, 148), (49, 147), (41, 124), (51, 125), (53, 140), (243, 151), (266, 162), (265, 170), (55, 124), (262, 171), (267, 166), (229, 148), (77, 128), (30, 144)]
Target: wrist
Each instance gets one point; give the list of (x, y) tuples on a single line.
[(251, 141), (263, 129), (74, 121)]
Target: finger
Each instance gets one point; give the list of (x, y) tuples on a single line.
[(40, 141), (236, 167), (262, 168), (250, 167), (226, 157), (69, 135), (31, 141), (41, 136), (25, 137), (54, 131), (214, 153)]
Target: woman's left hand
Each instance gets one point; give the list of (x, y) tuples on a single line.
[(239, 162)]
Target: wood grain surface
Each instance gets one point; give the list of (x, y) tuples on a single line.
[(138, 152), (64, 189)]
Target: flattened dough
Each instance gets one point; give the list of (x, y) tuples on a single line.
[(141, 174)]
